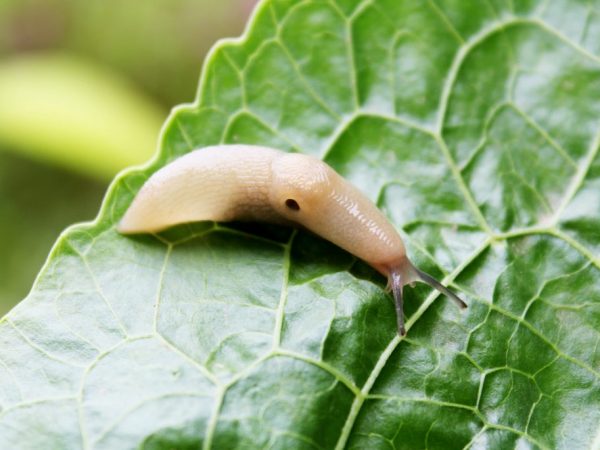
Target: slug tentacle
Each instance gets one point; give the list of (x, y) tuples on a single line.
[(428, 279), (407, 273), (397, 284)]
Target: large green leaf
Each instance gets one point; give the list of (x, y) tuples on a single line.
[(474, 125)]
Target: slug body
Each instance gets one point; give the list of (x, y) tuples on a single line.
[(243, 182)]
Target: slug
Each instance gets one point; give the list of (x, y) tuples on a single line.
[(245, 182)]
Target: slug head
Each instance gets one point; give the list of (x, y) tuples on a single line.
[(406, 273), (300, 185), (306, 191)]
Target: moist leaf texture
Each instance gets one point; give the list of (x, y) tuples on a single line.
[(473, 125)]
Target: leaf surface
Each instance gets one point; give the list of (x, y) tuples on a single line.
[(474, 126)]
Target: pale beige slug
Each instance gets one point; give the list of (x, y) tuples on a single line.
[(245, 182)]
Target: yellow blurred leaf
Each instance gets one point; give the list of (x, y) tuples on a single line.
[(61, 109)]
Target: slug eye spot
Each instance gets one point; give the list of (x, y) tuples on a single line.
[(292, 204)]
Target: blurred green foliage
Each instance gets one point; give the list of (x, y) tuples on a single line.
[(74, 113), (158, 44), (86, 80), (34, 208)]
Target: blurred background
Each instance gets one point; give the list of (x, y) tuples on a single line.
[(84, 89)]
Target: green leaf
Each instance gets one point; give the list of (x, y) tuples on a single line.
[(473, 125)]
